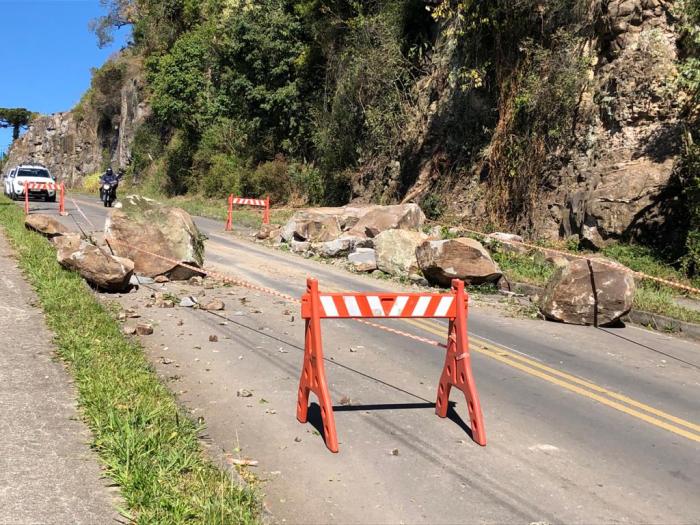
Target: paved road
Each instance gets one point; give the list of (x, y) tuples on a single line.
[(584, 425)]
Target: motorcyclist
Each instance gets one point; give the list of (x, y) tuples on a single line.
[(108, 177)]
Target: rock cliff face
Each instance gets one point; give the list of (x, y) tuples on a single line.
[(620, 180), (74, 144)]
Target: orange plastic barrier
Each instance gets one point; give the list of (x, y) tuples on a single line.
[(45, 186), (457, 371), (264, 203)]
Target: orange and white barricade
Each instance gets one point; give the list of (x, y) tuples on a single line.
[(457, 371), (264, 203), (60, 188)]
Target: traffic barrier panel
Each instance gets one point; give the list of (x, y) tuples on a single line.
[(457, 371), (264, 203), (60, 188)]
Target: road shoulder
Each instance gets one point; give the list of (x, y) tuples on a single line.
[(48, 474)]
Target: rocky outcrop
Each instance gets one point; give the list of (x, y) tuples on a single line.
[(586, 295), (98, 267), (72, 144), (141, 227), (464, 258), (619, 182), (396, 251), (45, 225)]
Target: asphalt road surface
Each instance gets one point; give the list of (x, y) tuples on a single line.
[(584, 425)]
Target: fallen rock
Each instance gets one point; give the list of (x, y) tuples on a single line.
[(45, 225), (569, 295), (213, 339), (215, 305), (161, 279), (266, 231), (363, 259), (396, 251), (143, 225), (505, 243), (144, 329), (244, 393), (68, 242), (300, 246), (188, 302), (101, 269), (463, 258), (311, 226), (336, 248), (383, 218), (129, 330)]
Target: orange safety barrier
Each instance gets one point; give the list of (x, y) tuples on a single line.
[(457, 371), (264, 203), (45, 186)]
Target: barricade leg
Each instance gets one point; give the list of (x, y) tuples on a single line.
[(26, 201), (266, 213), (229, 215), (313, 374), (62, 199), (457, 371)]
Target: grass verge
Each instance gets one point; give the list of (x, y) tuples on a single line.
[(149, 447)]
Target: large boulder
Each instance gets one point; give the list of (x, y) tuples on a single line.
[(463, 258), (363, 259), (97, 266), (156, 237), (45, 225), (383, 218), (569, 296), (311, 226), (500, 242), (396, 251)]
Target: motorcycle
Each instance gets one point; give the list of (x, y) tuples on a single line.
[(108, 193)]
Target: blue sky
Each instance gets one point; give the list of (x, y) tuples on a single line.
[(46, 54)]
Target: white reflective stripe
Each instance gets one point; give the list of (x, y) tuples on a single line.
[(444, 306), (375, 305), (352, 306), (398, 307), (329, 306), (421, 306)]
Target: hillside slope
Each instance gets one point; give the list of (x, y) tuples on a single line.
[(554, 118)]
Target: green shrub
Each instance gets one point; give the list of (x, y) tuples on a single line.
[(307, 184), (223, 177), (270, 179)]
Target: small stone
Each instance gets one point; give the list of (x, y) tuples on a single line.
[(244, 393), (121, 316), (297, 439), (144, 329), (215, 305), (180, 322), (213, 339), (395, 452), (166, 361), (188, 302), (129, 330), (196, 280), (345, 401), (161, 279)]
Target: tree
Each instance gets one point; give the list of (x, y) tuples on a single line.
[(15, 118), (120, 13)]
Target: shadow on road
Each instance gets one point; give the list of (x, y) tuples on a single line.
[(315, 420)]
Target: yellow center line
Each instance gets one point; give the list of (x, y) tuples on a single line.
[(564, 380), (568, 377)]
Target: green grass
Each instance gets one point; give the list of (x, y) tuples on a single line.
[(531, 269), (148, 445)]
